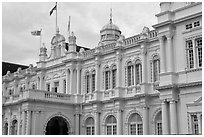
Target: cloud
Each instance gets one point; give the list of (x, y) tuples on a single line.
[(87, 19)]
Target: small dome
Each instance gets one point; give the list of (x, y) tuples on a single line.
[(110, 26), (59, 38)]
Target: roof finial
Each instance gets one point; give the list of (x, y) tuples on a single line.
[(111, 15)]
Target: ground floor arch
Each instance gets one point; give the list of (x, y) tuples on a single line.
[(57, 126)]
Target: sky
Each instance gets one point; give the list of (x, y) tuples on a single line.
[(87, 19)]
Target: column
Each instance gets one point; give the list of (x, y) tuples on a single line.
[(173, 117), (71, 80), (146, 120), (67, 81), (23, 123), (119, 74), (9, 123), (165, 123), (97, 80), (199, 123), (97, 123), (144, 62), (28, 125), (133, 76), (35, 122), (78, 80), (162, 55), (77, 124), (19, 121), (119, 122), (170, 65)]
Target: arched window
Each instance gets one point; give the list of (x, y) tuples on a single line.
[(107, 78), (130, 72), (158, 123), (111, 128), (14, 127), (93, 80), (6, 129), (156, 68), (87, 80), (89, 126), (135, 124), (33, 86), (114, 69), (138, 71)]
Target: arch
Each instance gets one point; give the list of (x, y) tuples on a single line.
[(5, 128), (14, 127), (106, 68), (155, 56), (113, 66), (128, 62), (137, 60), (128, 116), (85, 118), (59, 115), (104, 120), (154, 119)]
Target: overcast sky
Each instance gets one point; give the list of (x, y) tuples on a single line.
[(87, 19)]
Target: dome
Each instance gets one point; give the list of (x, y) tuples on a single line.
[(110, 26), (59, 38)]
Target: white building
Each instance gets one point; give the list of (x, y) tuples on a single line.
[(149, 83)]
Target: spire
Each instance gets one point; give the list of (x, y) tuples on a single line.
[(111, 15)]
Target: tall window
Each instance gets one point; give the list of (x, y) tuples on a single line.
[(87, 82), (48, 86), (56, 84), (90, 126), (156, 68), (64, 85), (111, 128), (138, 70), (14, 127), (107, 78), (93, 80), (158, 123), (199, 51), (195, 124), (189, 45), (114, 77), (135, 125), (130, 76), (6, 129)]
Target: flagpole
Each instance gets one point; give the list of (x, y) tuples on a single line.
[(56, 17)]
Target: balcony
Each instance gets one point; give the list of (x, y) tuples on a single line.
[(40, 95), (92, 97)]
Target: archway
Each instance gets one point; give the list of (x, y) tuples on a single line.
[(57, 126)]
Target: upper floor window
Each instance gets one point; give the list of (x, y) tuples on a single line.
[(130, 74), (194, 53), (114, 69), (14, 127), (87, 80), (156, 68), (138, 71), (6, 129), (195, 124), (56, 88), (93, 75), (48, 86), (64, 85), (193, 25), (107, 78)]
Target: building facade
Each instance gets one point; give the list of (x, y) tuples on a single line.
[(150, 83)]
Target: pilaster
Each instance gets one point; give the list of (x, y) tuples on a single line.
[(173, 117), (119, 122), (28, 125), (146, 120), (97, 123), (165, 121)]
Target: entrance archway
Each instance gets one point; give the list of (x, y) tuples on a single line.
[(57, 126)]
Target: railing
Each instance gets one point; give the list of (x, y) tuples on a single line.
[(133, 90), (152, 34), (108, 47), (57, 96), (132, 40), (89, 53)]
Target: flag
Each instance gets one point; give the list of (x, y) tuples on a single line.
[(36, 33), (54, 8), (69, 25)]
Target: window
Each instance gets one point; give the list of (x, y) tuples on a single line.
[(188, 26), (65, 85), (90, 126), (135, 125), (93, 81), (156, 68), (87, 82), (6, 129), (138, 70), (130, 76), (194, 53), (111, 128), (14, 127), (190, 53), (195, 124), (33, 86), (48, 86), (56, 84), (158, 123), (107, 78), (199, 51), (196, 24), (114, 77)]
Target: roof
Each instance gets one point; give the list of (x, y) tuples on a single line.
[(6, 66)]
